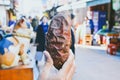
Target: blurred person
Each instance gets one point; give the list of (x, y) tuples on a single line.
[(78, 39), (86, 25), (35, 23), (90, 24), (72, 34), (0, 24), (82, 31), (44, 23), (11, 22), (40, 37), (27, 21), (30, 19)]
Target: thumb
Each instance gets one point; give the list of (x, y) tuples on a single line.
[(48, 58), (47, 67)]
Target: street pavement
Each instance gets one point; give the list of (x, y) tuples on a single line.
[(93, 63)]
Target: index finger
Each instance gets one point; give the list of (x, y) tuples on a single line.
[(67, 65)]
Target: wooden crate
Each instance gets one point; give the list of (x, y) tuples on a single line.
[(22, 72), (88, 39), (112, 49)]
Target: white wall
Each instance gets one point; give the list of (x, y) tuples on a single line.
[(31, 7), (3, 15)]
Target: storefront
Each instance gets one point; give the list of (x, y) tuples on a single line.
[(100, 12), (97, 2), (116, 7)]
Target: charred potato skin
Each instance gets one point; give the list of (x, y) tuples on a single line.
[(58, 39)]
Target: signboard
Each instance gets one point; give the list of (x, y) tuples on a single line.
[(97, 2)]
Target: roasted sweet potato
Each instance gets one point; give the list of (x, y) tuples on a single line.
[(58, 39)]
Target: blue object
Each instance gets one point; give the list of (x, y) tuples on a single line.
[(11, 23), (97, 2), (28, 24), (45, 27), (91, 24), (4, 43), (101, 19)]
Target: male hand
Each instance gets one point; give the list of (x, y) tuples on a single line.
[(49, 72)]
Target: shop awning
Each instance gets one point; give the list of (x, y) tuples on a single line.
[(97, 2)]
